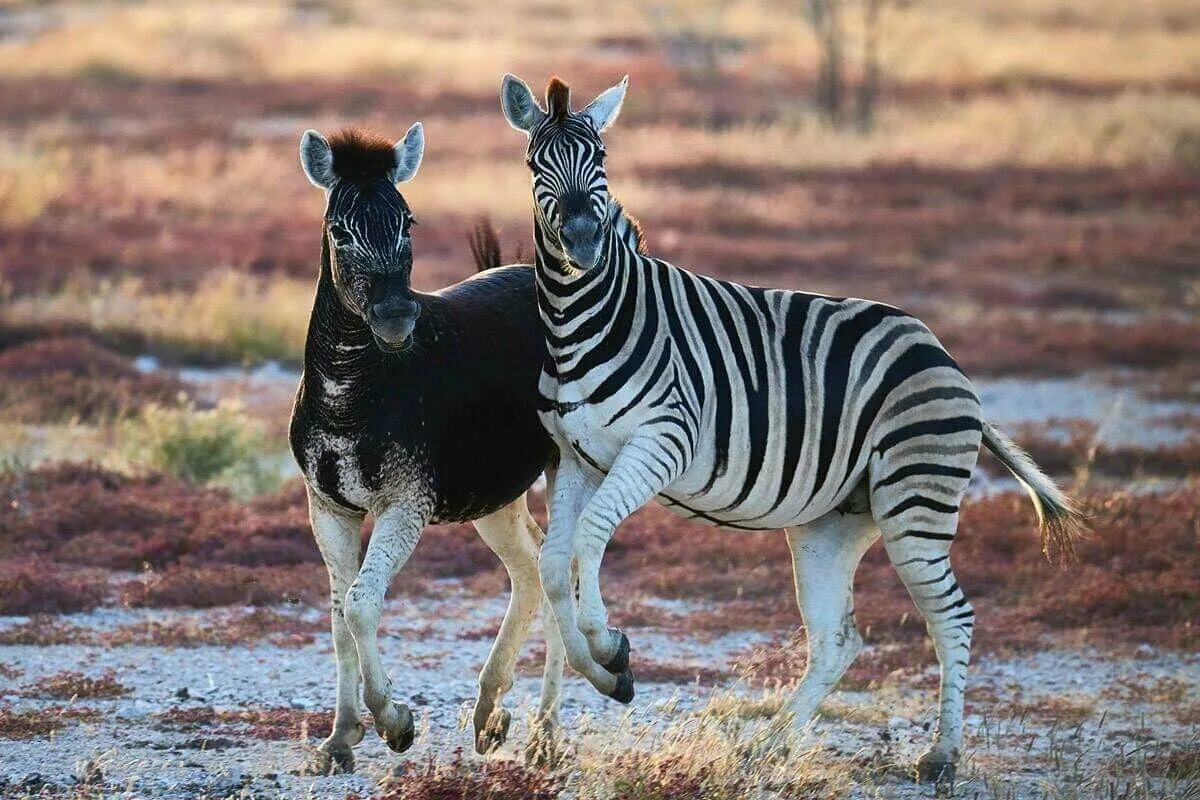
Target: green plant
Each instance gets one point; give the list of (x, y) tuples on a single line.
[(221, 446)]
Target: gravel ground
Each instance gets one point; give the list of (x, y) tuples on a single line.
[(140, 755)]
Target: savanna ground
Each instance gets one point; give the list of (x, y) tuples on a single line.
[(1031, 187)]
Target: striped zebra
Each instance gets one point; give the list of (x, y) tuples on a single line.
[(837, 420)]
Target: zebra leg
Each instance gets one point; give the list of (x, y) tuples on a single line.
[(392, 541), (337, 535), (916, 506), (571, 493), (543, 746), (510, 533), (825, 556), (635, 478)]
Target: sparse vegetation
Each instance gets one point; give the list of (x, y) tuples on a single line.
[(222, 446), (75, 686), (1028, 184)]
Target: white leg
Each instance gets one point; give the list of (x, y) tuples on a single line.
[(395, 535), (571, 493), (512, 535), (556, 656), (337, 535), (825, 556), (637, 475)]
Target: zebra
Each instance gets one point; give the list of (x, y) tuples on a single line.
[(414, 408), (838, 420)]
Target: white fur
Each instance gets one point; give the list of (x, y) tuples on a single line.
[(409, 152), (603, 111)]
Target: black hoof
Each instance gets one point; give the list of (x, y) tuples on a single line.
[(401, 737), (935, 771), (623, 692), (494, 733), (620, 662)]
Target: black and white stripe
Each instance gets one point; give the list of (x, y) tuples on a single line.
[(758, 409)]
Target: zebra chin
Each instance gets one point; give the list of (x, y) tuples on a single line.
[(583, 258)]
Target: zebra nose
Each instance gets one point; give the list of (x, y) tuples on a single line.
[(390, 308), (580, 239)]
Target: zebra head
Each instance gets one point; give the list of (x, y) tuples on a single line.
[(566, 156), (367, 224)]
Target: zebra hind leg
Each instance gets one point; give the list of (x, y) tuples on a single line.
[(916, 506), (825, 556)]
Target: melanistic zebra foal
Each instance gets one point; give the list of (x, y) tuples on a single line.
[(757, 409), (413, 408)]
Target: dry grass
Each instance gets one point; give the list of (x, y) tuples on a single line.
[(228, 316)]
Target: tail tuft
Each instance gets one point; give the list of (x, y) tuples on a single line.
[(485, 245), (1059, 519)]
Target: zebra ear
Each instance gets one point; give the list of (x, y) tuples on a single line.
[(316, 158), (603, 111), (520, 108), (408, 154)]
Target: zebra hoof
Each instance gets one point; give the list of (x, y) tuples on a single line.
[(935, 769), (400, 736), (623, 691), (544, 749), (620, 662), (331, 760), (495, 733)]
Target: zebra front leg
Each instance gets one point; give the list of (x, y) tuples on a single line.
[(512, 535), (396, 532), (825, 556), (572, 490), (337, 535), (638, 473)]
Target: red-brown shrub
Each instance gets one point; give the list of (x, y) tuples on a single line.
[(54, 379), (42, 722), (223, 585), (275, 724), (69, 685), (34, 585), (458, 778)]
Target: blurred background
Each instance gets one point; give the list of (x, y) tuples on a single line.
[(1022, 174)]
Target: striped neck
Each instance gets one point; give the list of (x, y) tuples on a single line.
[(560, 284)]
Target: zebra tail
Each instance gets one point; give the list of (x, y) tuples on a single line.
[(1060, 521), (485, 245)]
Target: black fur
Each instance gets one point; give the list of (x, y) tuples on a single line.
[(452, 417), (361, 156)]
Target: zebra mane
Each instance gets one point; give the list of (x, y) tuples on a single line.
[(362, 156), (627, 226), (558, 99)]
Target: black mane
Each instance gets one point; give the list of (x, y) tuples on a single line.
[(362, 156)]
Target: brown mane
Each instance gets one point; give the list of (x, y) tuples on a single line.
[(558, 99), (361, 156), (634, 224)]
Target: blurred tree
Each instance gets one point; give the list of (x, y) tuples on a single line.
[(825, 17)]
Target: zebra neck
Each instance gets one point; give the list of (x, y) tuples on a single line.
[(340, 356), (561, 287)]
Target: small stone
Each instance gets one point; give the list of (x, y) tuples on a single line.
[(303, 703), (182, 693)]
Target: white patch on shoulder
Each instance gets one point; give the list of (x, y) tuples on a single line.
[(332, 388)]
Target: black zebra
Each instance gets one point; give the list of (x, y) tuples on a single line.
[(413, 408), (757, 409)]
